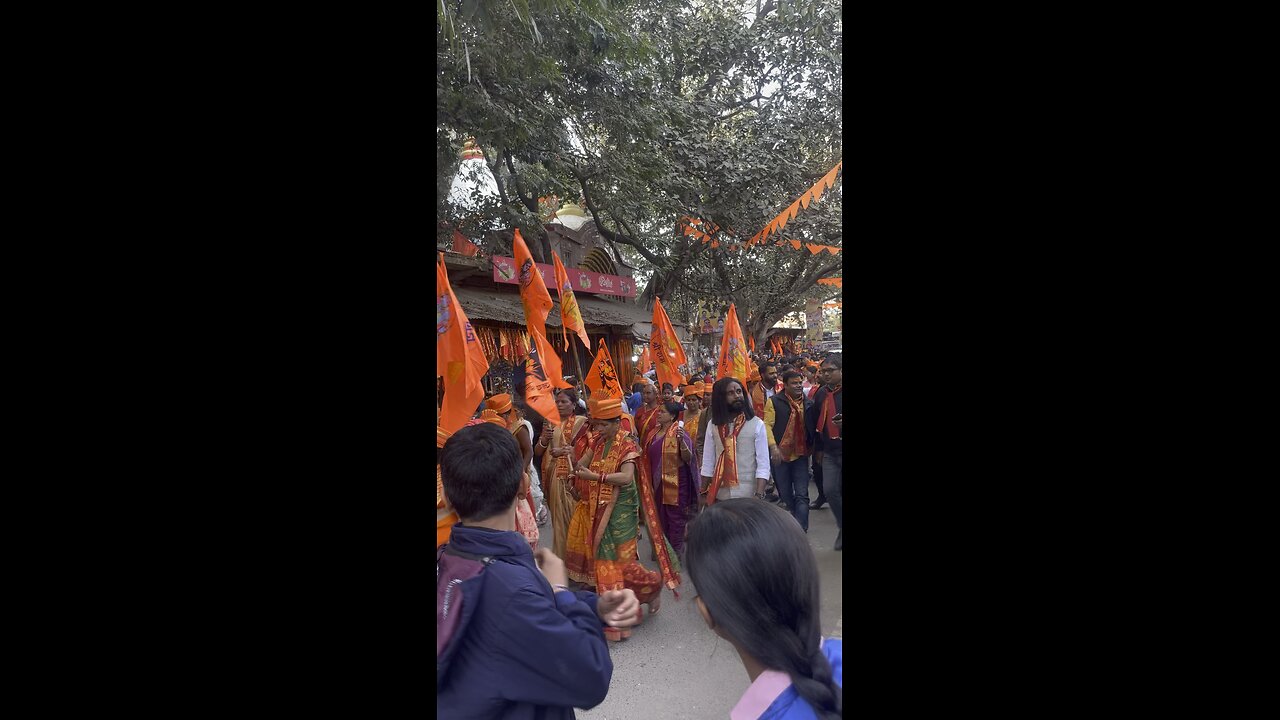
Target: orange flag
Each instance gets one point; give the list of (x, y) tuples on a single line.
[(668, 354), (540, 377), (645, 360), (815, 249), (603, 379), (751, 343), (733, 349), (570, 314), (537, 305), (458, 356)]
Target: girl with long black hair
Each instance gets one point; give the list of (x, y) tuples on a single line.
[(757, 584)]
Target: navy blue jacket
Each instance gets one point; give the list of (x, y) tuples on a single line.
[(521, 651)]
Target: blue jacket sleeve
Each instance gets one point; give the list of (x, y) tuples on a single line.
[(555, 653)]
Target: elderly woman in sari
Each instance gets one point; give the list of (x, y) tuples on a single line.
[(603, 532), (670, 470), (556, 447)]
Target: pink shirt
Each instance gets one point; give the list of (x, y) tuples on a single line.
[(766, 688)]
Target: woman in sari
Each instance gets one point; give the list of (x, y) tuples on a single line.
[(669, 469), (603, 531), (526, 522), (556, 447), (646, 416)]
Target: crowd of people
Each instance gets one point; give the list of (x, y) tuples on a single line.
[(683, 472)]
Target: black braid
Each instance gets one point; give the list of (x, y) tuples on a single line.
[(814, 683)]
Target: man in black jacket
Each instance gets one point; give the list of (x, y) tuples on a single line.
[(791, 441), (826, 420)]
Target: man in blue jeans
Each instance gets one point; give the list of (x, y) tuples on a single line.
[(791, 442), (827, 421)]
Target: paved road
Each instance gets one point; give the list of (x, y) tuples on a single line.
[(675, 668)]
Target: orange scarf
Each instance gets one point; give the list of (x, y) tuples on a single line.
[(793, 444), (691, 419), (671, 463), (828, 412), (726, 473)]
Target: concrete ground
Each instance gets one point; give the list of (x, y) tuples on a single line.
[(674, 667)]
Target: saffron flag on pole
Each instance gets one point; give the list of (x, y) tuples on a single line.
[(543, 372), (603, 378), (539, 382), (570, 314), (668, 354), (733, 349), (459, 358), (533, 292), (645, 360), (751, 343)]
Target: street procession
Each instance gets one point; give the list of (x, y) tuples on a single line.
[(639, 360)]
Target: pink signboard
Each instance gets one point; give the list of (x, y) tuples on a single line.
[(504, 271)]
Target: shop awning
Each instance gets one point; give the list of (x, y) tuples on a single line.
[(505, 307)]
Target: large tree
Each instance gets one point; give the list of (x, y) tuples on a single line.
[(650, 112)]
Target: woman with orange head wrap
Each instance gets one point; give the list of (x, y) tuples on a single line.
[(602, 542)]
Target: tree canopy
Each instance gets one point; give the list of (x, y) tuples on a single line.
[(649, 112)]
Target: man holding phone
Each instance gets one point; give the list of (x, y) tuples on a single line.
[(826, 421)]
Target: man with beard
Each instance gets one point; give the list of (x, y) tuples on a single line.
[(790, 445), (735, 456), (767, 387)]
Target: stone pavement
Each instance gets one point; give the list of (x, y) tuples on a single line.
[(674, 667)]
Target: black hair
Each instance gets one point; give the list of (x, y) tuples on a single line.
[(573, 396), (674, 408), (786, 376), (720, 412), (754, 570), (833, 360), (668, 386), (481, 469), (637, 386), (767, 363)]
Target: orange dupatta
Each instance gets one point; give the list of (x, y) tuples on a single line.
[(726, 472)]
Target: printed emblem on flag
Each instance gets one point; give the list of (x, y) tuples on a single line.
[(526, 273), (535, 364), (442, 315)]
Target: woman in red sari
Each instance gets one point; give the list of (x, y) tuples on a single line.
[(646, 415), (603, 532)]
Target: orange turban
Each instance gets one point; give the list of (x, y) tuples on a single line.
[(493, 417), (754, 375), (441, 436), (692, 390), (605, 409), (500, 404)]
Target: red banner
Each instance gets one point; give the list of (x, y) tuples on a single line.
[(504, 271)]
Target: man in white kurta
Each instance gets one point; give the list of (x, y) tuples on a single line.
[(752, 448)]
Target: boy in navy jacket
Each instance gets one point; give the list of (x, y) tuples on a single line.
[(512, 640)]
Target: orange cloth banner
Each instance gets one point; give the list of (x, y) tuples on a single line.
[(668, 354), (570, 314), (459, 357), (733, 350), (603, 379)]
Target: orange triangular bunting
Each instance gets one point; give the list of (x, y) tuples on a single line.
[(815, 249), (715, 243), (795, 244), (833, 250), (804, 200)]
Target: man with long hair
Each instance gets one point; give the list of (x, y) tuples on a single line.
[(735, 456)]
